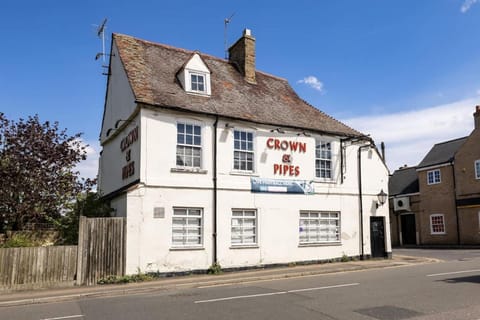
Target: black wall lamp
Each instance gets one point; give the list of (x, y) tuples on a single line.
[(382, 198)]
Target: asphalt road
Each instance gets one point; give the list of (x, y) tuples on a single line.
[(442, 254), (445, 290)]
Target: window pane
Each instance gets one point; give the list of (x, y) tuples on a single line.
[(196, 140), (180, 128), (180, 138), (197, 130)]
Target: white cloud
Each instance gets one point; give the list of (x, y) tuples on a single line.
[(408, 136), (312, 82), (89, 168), (467, 4)]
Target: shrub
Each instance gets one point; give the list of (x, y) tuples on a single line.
[(18, 240), (215, 269)]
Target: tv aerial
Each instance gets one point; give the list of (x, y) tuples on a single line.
[(226, 22), (101, 35)]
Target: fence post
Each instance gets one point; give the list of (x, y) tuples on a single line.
[(80, 251)]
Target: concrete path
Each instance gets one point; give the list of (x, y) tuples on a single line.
[(72, 293)]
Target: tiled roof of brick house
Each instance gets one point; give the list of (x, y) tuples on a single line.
[(442, 152), (403, 181), (151, 69)]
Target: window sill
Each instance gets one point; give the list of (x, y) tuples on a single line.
[(319, 244), (186, 248), (244, 173), (438, 234), (198, 93), (326, 181), (246, 246), (189, 170)]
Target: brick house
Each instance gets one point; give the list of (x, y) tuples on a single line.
[(438, 201), (212, 161)]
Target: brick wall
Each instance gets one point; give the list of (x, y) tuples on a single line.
[(438, 199)]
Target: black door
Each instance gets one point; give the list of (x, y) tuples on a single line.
[(377, 237), (408, 229)]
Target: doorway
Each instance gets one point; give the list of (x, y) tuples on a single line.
[(377, 237), (409, 231)]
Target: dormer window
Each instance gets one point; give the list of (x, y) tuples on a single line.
[(195, 76), (197, 82)]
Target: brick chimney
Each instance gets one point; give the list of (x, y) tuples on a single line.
[(242, 54), (476, 117)]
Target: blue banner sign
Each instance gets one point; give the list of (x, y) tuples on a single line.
[(281, 186)]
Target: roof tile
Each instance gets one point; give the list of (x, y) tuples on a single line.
[(151, 69)]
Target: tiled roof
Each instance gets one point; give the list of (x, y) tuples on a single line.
[(151, 69), (403, 181), (441, 153)]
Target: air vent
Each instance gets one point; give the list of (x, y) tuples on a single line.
[(158, 213), (401, 204)]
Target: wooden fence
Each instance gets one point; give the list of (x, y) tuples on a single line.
[(100, 253), (101, 249), (37, 267)]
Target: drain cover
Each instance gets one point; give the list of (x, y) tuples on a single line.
[(388, 313)]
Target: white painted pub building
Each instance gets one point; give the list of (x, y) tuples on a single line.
[(212, 161)]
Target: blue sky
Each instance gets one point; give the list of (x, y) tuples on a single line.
[(405, 71)]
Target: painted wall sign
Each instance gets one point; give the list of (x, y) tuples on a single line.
[(286, 168), (131, 137), (129, 169), (281, 186)]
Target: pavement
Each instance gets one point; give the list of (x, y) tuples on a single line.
[(18, 298)]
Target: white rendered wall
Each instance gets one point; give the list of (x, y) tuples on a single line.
[(120, 101), (162, 186)]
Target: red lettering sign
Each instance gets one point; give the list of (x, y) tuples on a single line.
[(286, 169), (295, 146)]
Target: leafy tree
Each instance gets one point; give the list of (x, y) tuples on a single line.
[(89, 204), (37, 171)]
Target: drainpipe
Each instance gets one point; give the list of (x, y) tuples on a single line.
[(341, 160), (360, 200), (214, 234), (455, 201)]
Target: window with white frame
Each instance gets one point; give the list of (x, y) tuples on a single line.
[(319, 227), (197, 82), (477, 169), (189, 145), (187, 227), (433, 176), (323, 160), (437, 224), (243, 153), (244, 227)]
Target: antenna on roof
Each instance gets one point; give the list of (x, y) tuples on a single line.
[(101, 35), (226, 22)]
